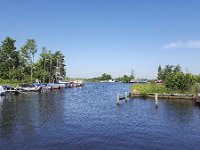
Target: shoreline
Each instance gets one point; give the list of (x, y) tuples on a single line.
[(164, 96)]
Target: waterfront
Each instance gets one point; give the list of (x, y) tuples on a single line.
[(88, 118)]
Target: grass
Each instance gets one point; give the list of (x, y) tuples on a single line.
[(13, 83), (155, 88)]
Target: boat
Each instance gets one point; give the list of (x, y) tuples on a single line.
[(45, 86), (70, 84), (10, 89), (2, 91), (138, 81), (76, 83), (54, 86), (28, 87)]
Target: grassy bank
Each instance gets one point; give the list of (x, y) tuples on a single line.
[(155, 88), (13, 83)]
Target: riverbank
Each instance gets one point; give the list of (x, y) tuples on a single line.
[(150, 90)]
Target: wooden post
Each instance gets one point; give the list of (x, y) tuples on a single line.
[(117, 99), (126, 96), (156, 100)]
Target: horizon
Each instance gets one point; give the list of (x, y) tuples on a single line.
[(109, 36)]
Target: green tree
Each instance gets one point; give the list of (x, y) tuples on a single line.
[(9, 59), (105, 77), (159, 72), (163, 73), (179, 81), (132, 74), (28, 51), (58, 64), (125, 79), (44, 65)]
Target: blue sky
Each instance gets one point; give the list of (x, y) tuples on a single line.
[(109, 36)]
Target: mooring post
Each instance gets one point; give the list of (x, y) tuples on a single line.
[(156, 100), (117, 99), (126, 96)]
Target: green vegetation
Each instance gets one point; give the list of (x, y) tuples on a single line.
[(125, 79), (149, 88), (106, 77), (18, 66), (103, 77), (174, 82)]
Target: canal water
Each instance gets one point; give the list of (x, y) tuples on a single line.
[(88, 118)]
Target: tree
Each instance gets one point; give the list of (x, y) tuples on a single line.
[(177, 69), (58, 64), (179, 81), (163, 73), (159, 72), (9, 59), (44, 66), (28, 52), (132, 74), (125, 79), (175, 79), (105, 77)]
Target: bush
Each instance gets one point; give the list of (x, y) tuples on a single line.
[(179, 81)]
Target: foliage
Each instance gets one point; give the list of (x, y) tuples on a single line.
[(175, 79), (9, 60), (197, 78), (169, 69), (125, 78), (157, 88), (28, 51), (19, 65), (179, 81), (105, 77)]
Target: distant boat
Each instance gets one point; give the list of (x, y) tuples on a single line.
[(110, 80), (2, 91), (138, 82)]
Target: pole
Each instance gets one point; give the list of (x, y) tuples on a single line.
[(156, 100), (117, 99), (126, 96)]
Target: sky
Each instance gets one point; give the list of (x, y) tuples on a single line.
[(109, 36)]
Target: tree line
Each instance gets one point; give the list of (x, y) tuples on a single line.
[(19, 65), (106, 77)]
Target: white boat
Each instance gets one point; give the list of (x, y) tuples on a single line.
[(2, 91), (198, 99), (70, 84), (28, 88)]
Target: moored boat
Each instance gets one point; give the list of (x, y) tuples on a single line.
[(198, 99), (28, 87), (54, 86), (2, 91)]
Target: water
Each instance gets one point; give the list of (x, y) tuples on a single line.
[(88, 118)]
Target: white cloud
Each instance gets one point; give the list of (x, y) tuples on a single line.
[(181, 44)]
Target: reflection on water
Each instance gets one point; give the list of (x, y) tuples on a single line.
[(88, 118)]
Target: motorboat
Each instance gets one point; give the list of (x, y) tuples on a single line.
[(2, 91), (28, 87)]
